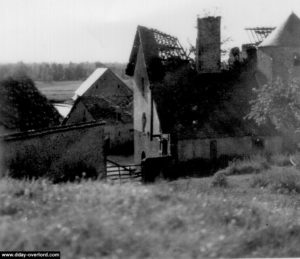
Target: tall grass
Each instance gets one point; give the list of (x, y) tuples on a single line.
[(179, 219), (285, 180)]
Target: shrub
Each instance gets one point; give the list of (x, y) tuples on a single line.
[(280, 160), (219, 180), (28, 164), (283, 180), (252, 165), (72, 171)]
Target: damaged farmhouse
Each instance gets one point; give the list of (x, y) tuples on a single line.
[(208, 119), (180, 108)]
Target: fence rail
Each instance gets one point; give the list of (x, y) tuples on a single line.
[(116, 171)]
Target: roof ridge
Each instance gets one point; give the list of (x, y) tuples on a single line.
[(287, 34)]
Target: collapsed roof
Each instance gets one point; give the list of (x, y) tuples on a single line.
[(158, 48)]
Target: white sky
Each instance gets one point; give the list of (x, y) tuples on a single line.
[(103, 30)]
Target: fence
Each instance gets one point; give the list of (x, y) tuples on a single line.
[(122, 173)]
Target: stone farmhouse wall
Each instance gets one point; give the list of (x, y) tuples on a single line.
[(231, 146), (51, 149), (279, 62)]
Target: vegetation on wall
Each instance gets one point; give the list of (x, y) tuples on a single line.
[(206, 102), (278, 102)]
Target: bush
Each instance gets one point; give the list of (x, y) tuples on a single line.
[(283, 180), (72, 171), (219, 180), (28, 164), (252, 165), (280, 160)]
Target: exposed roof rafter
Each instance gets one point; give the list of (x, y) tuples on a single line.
[(258, 34)]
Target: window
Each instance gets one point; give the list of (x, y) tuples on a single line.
[(164, 147), (118, 116), (213, 149), (84, 116), (258, 143), (143, 155), (296, 59), (143, 86), (144, 121)]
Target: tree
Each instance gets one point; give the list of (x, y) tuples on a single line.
[(279, 103)]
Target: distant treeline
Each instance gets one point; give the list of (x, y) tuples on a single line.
[(58, 71)]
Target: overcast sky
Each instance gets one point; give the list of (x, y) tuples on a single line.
[(103, 30)]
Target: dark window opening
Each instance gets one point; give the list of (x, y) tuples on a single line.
[(213, 150), (143, 155), (144, 121), (119, 134), (143, 86), (164, 147), (118, 116), (258, 143), (84, 116), (296, 60)]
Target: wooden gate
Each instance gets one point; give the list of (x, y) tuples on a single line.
[(122, 173)]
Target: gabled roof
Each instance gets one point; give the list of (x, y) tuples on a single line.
[(285, 35), (158, 47), (89, 82), (23, 107)]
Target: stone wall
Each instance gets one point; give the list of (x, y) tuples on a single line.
[(143, 144), (119, 133), (231, 146), (282, 59), (120, 138), (51, 151)]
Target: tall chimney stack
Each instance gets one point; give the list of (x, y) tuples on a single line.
[(208, 45)]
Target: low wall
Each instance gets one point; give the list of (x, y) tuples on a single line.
[(230, 146), (144, 145), (54, 151)]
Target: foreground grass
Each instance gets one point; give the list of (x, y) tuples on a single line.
[(181, 219)]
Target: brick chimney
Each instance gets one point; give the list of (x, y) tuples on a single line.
[(208, 45)]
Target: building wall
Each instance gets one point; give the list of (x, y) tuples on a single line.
[(143, 144), (118, 133), (142, 113), (231, 146), (52, 149), (282, 62), (110, 87), (79, 114), (265, 64)]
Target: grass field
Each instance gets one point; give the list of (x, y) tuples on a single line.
[(252, 215), (58, 91)]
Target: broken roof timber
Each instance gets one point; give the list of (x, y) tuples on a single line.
[(258, 34)]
